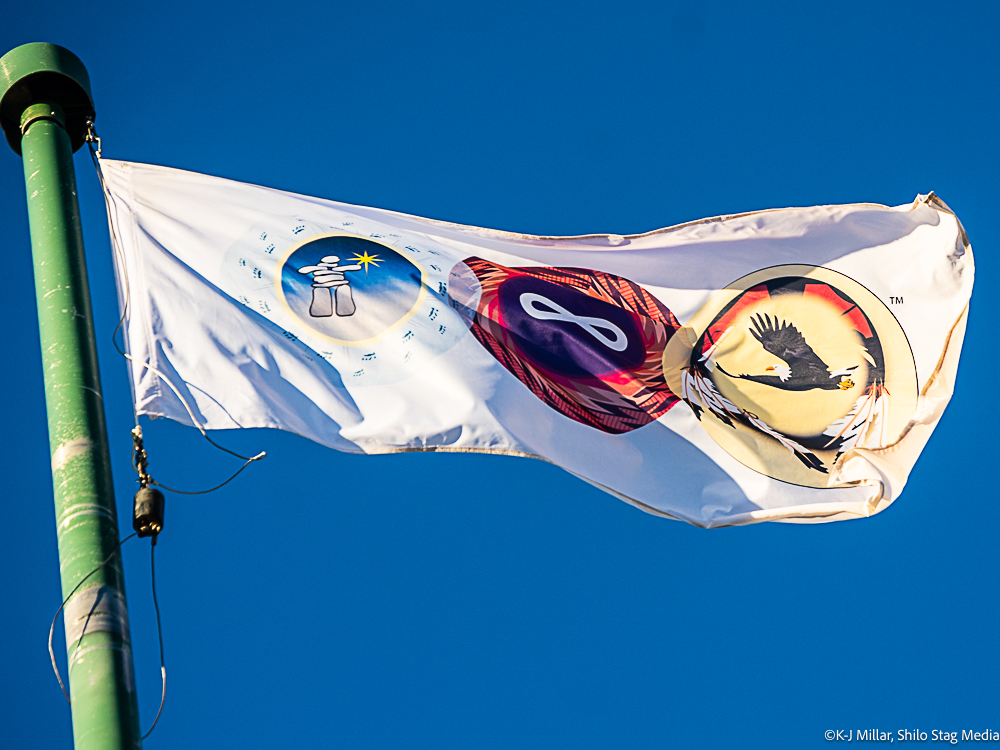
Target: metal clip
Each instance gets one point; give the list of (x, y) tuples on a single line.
[(148, 504), (139, 458), (92, 138)]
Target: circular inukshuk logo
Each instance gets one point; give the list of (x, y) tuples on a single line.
[(350, 290)]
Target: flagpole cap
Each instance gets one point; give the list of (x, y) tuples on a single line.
[(44, 73)]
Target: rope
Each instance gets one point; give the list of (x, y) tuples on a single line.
[(213, 489), (52, 627), (159, 632), (159, 627)]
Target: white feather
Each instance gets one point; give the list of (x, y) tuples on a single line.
[(864, 425), (708, 355), (786, 441), (699, 388)]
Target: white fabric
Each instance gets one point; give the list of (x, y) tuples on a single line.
[(181, 235)]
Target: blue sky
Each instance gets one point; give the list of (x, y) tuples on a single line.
[(472, 601)]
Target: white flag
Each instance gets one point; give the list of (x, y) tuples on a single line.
[(777, 365)]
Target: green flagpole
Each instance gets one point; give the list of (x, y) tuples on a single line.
[(45, 103)]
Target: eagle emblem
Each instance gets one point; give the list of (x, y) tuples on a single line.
[(797, 365), (801, 368)]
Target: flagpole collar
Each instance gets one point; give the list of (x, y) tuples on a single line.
[(40, 72)]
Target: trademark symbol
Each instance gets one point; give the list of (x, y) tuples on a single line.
[(895, 300)]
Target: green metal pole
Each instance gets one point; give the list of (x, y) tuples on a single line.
[(44, 104)]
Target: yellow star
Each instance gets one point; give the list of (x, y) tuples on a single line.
[(365, 260)]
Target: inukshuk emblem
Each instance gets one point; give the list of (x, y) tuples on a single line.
[(331, 288)]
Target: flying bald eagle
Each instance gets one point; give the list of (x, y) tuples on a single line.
[(864, 426), (806, 370)]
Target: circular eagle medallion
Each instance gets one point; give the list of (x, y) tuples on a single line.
[(791, 367)]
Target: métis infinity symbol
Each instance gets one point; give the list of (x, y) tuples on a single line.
[(593, 326)]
